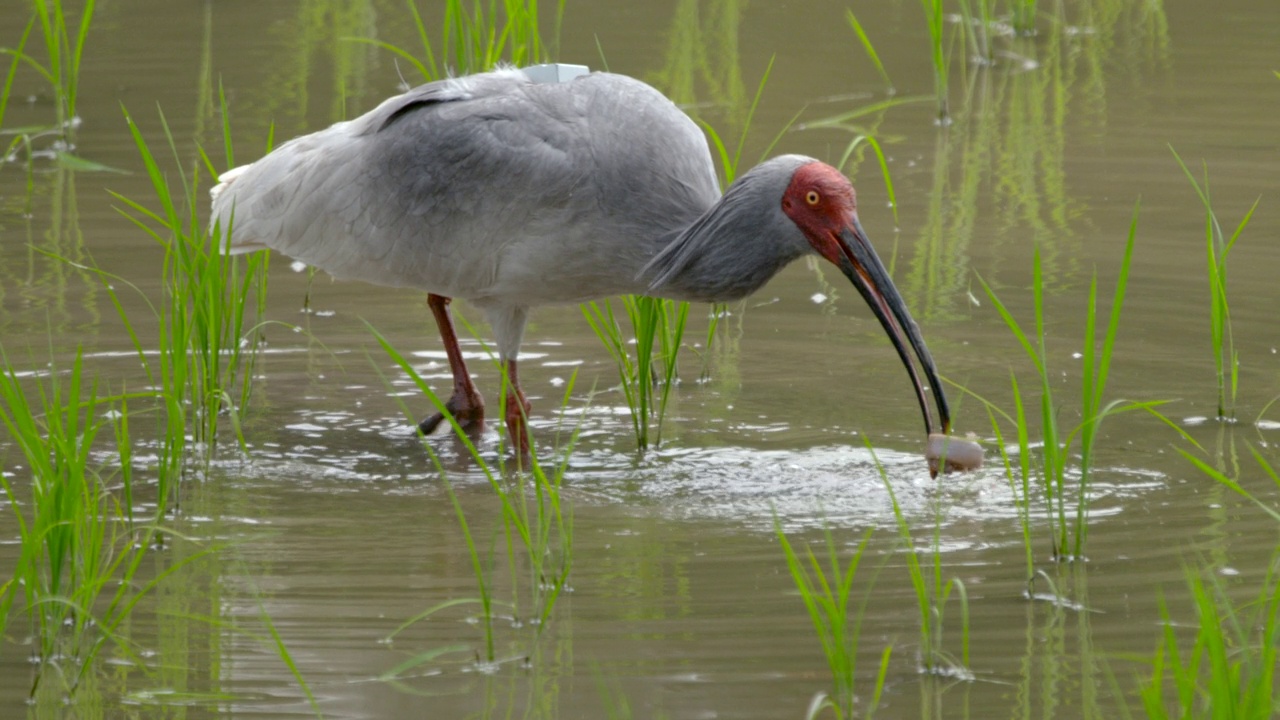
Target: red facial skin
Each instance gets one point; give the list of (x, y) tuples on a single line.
[(821, 202)]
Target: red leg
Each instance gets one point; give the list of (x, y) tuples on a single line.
[(517, 410), (466, 405)]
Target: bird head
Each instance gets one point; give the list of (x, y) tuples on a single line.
[(822, 203)]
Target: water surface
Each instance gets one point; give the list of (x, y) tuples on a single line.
[(337, 526)]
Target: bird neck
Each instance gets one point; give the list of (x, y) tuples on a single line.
[(729, 252)]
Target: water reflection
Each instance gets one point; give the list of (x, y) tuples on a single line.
[(316, 45), (943, 697), (1006, 152), (701, 65), (39, 281), (1060, 671), (527, 687)]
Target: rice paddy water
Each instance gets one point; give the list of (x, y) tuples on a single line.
[(213, 504)]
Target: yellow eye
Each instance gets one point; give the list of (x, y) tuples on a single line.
[(812, 197)]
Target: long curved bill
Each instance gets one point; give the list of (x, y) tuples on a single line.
[(859, 262)]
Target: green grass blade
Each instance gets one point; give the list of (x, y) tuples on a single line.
[(17, 54), (871, 50)]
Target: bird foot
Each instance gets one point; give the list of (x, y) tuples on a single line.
[(467, 411), (517, 427)]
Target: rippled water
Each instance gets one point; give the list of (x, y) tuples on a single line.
[(335, 527)]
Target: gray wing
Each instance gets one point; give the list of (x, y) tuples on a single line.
[(488, 187)]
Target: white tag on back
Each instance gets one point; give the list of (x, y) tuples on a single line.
[(554, 72)]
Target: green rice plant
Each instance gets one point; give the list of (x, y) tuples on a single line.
[(537, 520), (826, 592), (1229, 670), (1019, 482), (1020, 474), (1068, 513), (16, 54), (1235, 486), (844, 120), (729, 163), (536, 512), (854, 146), (935, 16), (477, 37), (64, 49), (64, 53), (209, 332), (1225, 358), (23, 138), (67, 538), (871, 50), (1023, 13), (81, 546), (822, 702), (932, 595), (652, 319)]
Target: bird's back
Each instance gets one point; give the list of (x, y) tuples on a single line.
[(489, 187)]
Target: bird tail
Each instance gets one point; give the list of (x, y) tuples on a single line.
[(224, 214)]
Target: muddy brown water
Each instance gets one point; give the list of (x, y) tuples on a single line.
[(681, 605)]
